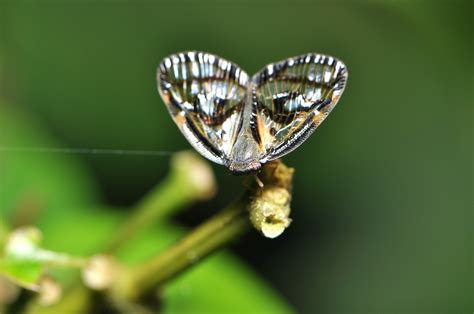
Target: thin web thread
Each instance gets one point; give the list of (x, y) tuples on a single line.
[(84, 151)]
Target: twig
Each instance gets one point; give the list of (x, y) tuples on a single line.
[(268, 203), (199, 243), (219, 230), (190, 179), (270, 206)]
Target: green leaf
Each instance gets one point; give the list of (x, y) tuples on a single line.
[(3, 232), (25, 273), (51, 191), (221, 284), (34, 183)]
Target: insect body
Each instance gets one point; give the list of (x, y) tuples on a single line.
[(244, 122)]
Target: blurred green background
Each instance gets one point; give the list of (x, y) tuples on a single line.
[(382, 209)]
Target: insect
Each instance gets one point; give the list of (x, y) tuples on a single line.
[(243, 122)]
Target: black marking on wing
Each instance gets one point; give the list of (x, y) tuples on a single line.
[(253, 120), (279, 114), (297, 138), (202, 138), (320, 104), (209, 92), (219, 115), (292, 98)]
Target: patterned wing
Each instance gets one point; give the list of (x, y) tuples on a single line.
[(291, 98), (205, 95)]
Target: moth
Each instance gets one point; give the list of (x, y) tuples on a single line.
[(243, 122)]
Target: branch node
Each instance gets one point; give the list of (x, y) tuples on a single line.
[(270, 202)]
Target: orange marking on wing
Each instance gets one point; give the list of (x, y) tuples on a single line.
[(265, 136), (166, 97), (179, 118), (318, 117)]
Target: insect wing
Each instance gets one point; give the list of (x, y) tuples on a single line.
[(291, 98), (205, 96)]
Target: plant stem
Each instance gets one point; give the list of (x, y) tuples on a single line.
[(268, 203), (199, 243), (190, 180), (164, 199)]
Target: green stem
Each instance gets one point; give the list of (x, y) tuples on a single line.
[(190, 180), (166, 198), (205, 239), (268, 203)]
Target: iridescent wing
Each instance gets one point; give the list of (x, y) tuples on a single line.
[(205, 95), (290, 100)]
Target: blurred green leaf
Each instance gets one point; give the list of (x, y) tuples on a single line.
[(25, 273), (37, 186), (52, 191), (3, 232), (221, 284)]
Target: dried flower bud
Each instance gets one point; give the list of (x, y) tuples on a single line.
[(269, 212), (49, 291), (100, 272), (22, 242), (270, 206), (196, 174)]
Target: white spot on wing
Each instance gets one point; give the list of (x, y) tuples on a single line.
[(270, 69), (327, 76), (194, 87), (223, 65), (211, 58), (195, 69)]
